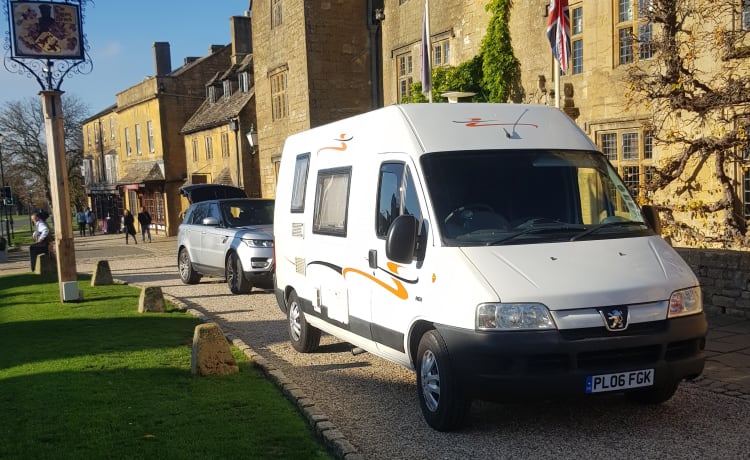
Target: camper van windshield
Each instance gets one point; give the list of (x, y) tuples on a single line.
[(528, 196)]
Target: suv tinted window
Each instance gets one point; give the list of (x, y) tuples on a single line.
[(199, 212)]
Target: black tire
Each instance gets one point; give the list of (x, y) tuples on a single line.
[(304, 338), (185, 267), (444, 404), (654, 395), (235, 276)]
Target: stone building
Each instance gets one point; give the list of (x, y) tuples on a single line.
[(100, 149), (216, 135), (151, 160), (315, 62)]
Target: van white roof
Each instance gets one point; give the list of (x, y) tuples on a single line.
[(424, 128)]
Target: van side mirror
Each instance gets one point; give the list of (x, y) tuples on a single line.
[(652, 218), (401, 241)]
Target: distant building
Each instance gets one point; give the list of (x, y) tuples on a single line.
[(215, 136)]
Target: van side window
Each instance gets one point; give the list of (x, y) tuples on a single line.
[(396, 196), (331, 201), (301, 169)]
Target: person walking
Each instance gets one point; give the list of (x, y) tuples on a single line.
[(81, 219), (128, 224), (144, 219), (90, 221), (41, 236)]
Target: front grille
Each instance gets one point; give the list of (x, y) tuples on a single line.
[(653, 327)]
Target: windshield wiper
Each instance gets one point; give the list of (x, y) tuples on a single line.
[(596, 228), (526, 231)]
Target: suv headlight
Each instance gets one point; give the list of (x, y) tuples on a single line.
[(685, 302), (256, 243), (513, 317)]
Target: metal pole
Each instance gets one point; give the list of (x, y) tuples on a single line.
[(5, 206)]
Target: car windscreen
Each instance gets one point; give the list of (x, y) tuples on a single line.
[(244, 213), (496, 197)]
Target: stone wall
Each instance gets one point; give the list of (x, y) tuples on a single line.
[(725, 279)]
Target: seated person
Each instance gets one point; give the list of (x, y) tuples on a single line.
[(41, 236)]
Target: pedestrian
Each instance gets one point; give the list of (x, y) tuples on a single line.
[(128, 226), (144, 219), (90, 221), (81, 219), (40, 236)]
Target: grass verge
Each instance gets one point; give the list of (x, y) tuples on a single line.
[(97, 379)]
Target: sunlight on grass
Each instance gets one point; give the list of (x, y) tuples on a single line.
[(97, 379)]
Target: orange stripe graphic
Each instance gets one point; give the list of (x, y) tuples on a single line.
[(340, 148), (399, 290)]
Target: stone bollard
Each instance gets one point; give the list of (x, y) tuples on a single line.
[(211, 354), (102, 275), (151, 301), (46, 264)]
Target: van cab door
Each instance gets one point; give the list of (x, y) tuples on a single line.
[(395, 299)]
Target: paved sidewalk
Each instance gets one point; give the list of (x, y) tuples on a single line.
[(727, 351)]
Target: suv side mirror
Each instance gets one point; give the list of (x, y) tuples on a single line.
[(401, 242), (210, 221), (652, 218)]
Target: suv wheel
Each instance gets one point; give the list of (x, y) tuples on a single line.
[(185, 266), (236, 280)]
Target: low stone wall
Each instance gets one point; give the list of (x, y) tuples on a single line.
[(725, 279)]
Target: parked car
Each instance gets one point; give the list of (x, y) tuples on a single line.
[(230, 238)]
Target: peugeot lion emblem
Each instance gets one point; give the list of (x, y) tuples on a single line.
[(615, 318)]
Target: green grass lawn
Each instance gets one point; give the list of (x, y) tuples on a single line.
[(97, 379)]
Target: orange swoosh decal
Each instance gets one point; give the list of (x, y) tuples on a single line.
[(479, 123), (399, 290), (340, 148)]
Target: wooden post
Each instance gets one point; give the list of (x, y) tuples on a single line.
[(67, 273)]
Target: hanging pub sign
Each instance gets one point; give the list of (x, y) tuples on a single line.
[(47, 30)]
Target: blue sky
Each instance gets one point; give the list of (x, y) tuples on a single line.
[(120, 35)]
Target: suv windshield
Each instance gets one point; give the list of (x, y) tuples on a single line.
[(243, 213), (528, 196)]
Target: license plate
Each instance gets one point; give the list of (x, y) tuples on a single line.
[(620, 381)]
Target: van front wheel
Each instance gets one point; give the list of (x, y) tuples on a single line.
[(304, 338), (444, 406)]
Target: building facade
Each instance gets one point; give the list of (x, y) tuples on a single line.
[(216, 135), (315, 62), (151, 163)]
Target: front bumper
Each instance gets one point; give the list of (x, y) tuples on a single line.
[(504, 365)]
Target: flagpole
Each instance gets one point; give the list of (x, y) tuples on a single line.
[(557, 83)]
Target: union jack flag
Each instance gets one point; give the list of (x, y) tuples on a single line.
[(558, 31)]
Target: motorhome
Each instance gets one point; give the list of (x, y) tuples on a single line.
[(491, 248)]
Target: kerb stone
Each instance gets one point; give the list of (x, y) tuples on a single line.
[(152, 300), (211, 354), (102, 275)]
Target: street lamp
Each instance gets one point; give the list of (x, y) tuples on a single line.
[(252, 138), (5, 203)]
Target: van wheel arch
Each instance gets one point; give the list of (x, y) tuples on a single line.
[(418, 329)]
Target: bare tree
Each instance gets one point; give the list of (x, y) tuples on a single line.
[(698, 88), (24, 147)]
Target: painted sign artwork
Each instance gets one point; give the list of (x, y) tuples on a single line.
[(47, 30)]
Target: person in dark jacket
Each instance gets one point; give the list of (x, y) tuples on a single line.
[(144, 219), (128, 225)]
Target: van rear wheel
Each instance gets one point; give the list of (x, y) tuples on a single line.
[(444, 405), (304, 338)]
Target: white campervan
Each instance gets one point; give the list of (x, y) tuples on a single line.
[(490, 247)]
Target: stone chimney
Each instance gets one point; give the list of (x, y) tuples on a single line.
[(214, 49), (242, 37), (162, 59)]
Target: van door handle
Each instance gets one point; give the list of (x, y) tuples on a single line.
[(372, 258)]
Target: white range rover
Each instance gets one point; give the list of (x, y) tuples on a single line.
[(230, 238)]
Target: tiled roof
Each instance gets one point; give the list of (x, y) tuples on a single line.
[(142, 172), (210, 114)]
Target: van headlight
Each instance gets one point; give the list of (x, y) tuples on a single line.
[(256, 243), (513, 317), (685, 302)]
